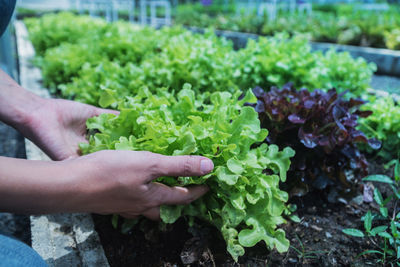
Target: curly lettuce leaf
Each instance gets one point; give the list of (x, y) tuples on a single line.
[(244, 202)]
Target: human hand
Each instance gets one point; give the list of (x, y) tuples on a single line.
[(57, 126), (122, 182)]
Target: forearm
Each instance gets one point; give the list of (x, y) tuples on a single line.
[(16, 103), (35, 187), (102, 182)]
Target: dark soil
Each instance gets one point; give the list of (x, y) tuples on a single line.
[(316, 241)]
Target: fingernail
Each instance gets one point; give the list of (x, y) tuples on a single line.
[(206, 165)]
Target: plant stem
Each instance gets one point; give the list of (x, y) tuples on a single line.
[(394, 210)]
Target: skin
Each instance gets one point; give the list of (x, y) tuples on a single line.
[(104, 182)]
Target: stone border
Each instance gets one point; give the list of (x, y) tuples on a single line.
[(387, 61), (61, 239)]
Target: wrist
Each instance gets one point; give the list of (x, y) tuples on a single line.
[(70, 188), (19, 109), (76, 188), (17, 105), (28, 113), (97, 185), (84, 186)]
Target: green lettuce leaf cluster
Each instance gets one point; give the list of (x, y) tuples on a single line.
[(55, 29), (279, 60), (383, 124), (335, 23), (119, 58), (244, 202), (393, 39), (205, 61)]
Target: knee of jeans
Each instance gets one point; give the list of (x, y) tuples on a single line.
[(15, 253)]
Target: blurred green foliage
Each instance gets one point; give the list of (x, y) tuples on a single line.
[(343, 24), (85, 64), (383, 124)]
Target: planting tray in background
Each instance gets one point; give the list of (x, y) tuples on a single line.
[(61, 239)]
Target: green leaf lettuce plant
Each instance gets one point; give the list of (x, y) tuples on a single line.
[(244, 202), (383, 124), (120, 57)]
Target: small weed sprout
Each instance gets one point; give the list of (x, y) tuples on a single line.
[(387, 231)]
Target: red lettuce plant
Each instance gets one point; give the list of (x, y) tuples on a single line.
[(321, 127)]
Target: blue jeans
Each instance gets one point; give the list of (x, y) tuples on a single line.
[(6, 10), (14, 253)]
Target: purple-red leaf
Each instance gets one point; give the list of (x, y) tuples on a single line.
[(307, 139), (363, 114), (294, 118), (260, 108), (320, 126), (374, 143)]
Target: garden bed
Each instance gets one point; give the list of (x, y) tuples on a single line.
[(386, 60), (348, 24), (317, 240)]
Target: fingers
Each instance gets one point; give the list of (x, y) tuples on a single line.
[(102, 110), (128, 215), (173, 196), (177, 195), (168, 196), (152, 214), (181, 166)]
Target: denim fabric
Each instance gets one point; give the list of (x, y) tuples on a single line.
[(14, 253), (6, 10)]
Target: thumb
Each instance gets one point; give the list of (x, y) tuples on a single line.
[(182, 166), (98, 111)]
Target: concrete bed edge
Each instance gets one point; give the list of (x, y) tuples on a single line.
[(61, 239)]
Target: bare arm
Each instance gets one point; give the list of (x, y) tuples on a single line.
[(34, 186), (103, 182)]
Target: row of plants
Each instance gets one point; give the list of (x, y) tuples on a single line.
[(334, 24), (122, 57), (144, 73), (342, 25)]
